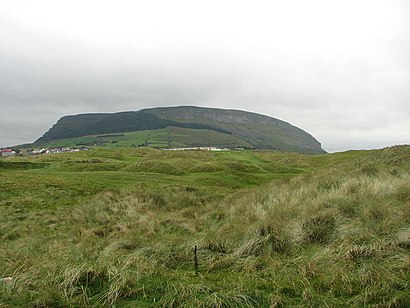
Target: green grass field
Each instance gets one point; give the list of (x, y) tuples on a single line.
[(159, 138), (118, 227)]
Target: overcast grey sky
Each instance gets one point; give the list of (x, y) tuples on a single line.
[(338, 69)]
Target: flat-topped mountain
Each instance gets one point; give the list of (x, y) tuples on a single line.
[(184, 126)]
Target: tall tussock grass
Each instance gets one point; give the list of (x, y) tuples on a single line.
[(348, 232), (338, 236)]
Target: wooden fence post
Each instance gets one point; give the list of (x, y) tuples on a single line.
[(196, 260)]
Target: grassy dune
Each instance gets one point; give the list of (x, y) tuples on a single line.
[(119, 227)]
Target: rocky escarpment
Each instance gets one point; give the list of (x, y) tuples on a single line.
[(260, 130)]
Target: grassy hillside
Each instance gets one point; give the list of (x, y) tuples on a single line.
[(159, 138), (104, 123), (119, 226)]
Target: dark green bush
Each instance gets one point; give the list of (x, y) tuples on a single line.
[(319, 229)]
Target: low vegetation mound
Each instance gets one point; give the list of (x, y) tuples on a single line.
[(16, 165), (155, 166)]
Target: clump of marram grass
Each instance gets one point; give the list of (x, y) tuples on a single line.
[(278, 239), (216, 246), (182, 295), (82, 283), (319, 229)]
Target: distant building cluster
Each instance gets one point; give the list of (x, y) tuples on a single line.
[(7, 152), (10, 152), (56, 150), (198, 148)]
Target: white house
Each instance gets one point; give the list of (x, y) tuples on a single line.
[(7, 152)]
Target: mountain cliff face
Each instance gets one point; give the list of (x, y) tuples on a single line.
[(259, 130), (255, 130)]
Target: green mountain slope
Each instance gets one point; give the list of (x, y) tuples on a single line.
[(158, 138), (196, 126), (259, 130)]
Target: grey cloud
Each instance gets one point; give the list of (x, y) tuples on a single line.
[(357, 100)]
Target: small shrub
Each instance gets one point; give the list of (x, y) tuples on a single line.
[(403, 192), (369, 170), (403, 240), (191, 189), (276, 239), (217, 217), (347, 207), (218, 247), (281, 244), (253, 246), (82, 279), (374, 213), (10, 235), (91, 278), (359, 252), (157, 199), (329, 183), (266, 245), (129, 246), (394, 172), (404, 244), (265, 230), (319, 229)]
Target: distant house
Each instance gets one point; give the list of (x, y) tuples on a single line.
[(198, 148), (41, 151), (7, 152)]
